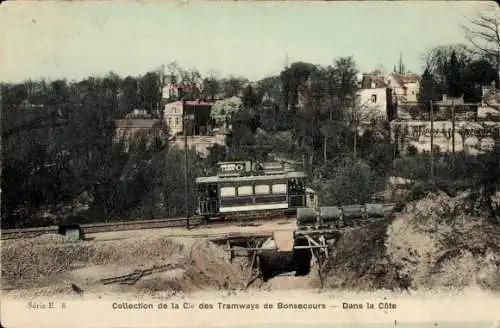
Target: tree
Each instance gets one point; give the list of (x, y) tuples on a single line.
[(224, 110), (344, 79), (428, 88), (130, 89), (437, 62), (483, 33), (292, 78), (149, 92), (232, 86), (270, 97), (269, 89), (476, 74), (111, 84), (211, 87), (454, 80), (250, 98)]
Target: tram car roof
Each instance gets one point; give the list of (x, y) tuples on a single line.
[(264, 177)]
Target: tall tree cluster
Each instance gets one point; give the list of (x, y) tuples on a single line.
[(60, 151), (453, 71)]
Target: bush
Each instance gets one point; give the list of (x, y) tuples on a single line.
[(353, 182), (421, 190), (412, 150)]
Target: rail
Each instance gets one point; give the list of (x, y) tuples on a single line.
[(102, 227), (194, 222)]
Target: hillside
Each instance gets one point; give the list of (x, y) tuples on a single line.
[(436, 242)]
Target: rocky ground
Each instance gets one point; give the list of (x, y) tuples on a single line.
[(437, 242)]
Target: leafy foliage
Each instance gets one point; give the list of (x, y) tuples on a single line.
[(224, 110)]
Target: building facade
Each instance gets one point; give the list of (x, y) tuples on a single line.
[(192, 115), (374, 98), (129, 130), (405, 87)]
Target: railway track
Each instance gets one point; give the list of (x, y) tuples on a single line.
[(194, 223), (102, 227)]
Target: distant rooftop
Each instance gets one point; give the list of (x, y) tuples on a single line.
[(193, 103), (136, 123), (403, 79)]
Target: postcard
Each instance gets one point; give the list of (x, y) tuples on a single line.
[(250, 164)]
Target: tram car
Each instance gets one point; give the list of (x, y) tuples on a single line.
[(245, 189)]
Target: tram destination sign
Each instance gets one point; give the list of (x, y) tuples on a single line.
[(233, 168)]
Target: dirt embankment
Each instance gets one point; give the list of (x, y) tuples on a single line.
[(437, 242), (50, 265)]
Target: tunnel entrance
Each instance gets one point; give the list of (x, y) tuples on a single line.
[(274, 254), (273, 263)]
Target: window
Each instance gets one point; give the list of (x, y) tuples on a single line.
[(178, 121), (262, 190), (169, 121), (245, 191), (279, 188), (374, 98), (227, 192)]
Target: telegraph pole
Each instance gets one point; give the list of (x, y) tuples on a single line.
[(355, 120), (453, 126), (432, 139), (186, 186)]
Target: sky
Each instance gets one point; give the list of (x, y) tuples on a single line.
[(74, 40)]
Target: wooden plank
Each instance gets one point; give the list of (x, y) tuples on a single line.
[(284, 240)]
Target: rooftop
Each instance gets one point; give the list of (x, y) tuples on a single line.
[(369, 79), (136, 123), (403, 79), (192, 103), (287, 175)]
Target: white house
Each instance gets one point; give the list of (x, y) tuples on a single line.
[(405, 87), (372, 97)]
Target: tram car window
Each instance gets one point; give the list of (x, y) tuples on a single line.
[(245, 191), (226, 192), (262, 190), (279, 188)]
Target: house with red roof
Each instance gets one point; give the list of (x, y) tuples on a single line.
[(176, 91)]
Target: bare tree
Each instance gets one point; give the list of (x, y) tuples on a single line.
[(437, 61), (484, 35)]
